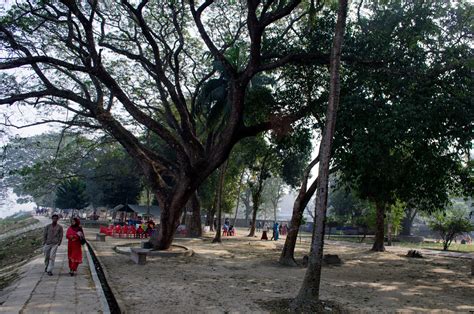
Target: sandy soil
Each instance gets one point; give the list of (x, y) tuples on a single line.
[(239, 274)]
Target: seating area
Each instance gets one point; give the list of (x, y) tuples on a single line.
[(228, 231), (130, 232)]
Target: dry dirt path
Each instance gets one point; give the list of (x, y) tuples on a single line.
[(239, 274)]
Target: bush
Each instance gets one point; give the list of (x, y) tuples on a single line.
[(449, 224)]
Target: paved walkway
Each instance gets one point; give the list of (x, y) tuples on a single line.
[(36, 292)]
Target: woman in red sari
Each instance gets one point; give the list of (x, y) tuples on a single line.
[(74, 250)]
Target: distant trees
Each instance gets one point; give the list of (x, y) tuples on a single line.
[(71, 194), (45, 165)]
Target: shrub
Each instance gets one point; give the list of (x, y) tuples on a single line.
[(449, 224)]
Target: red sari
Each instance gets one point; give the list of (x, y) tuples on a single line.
[(74, 249)]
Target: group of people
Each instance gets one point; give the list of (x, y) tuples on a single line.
[(52, 239), (277, 230), (41, 211), (228, 229), (282, 229)]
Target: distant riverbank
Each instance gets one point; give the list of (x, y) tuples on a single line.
[(17, 245)]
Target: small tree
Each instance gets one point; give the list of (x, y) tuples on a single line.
[(449, 224)]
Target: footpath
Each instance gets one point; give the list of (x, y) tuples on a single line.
[(36, 292)]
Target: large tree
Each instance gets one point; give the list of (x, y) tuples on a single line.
[(110, 64), (403, 130)]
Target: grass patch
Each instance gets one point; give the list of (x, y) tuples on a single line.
[(16, 251), (454, 247), (17, 248), (16, 222)]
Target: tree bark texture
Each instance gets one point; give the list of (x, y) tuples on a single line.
[(193, 221), (308, 294), (407, 221), (256, 197), (380, 228), (220, 187), (254, 218), (287, 255), (238, 197)]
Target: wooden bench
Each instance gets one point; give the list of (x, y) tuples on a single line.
[(100, 237), (138, 255)]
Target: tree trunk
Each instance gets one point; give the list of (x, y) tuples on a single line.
[(210, 218), (380, 226), (389, 230), (407, 221), (254, 219), (238, 197), (212, 212), (169, 221), (308, 296), (256, 196), (220, 187), (274, 213), (193, 222), (287, 254)]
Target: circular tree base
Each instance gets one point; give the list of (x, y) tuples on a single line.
[(173, 251)]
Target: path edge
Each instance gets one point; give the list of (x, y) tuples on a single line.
[(98, 285), (120, 304)]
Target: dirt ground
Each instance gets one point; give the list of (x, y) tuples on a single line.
[(242, 273)]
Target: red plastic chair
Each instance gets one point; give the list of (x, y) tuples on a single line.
[(110, 230), (117, 231), (132, 231), (125, 231), (140, 232)]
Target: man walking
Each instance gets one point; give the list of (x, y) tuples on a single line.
[(52, 237)]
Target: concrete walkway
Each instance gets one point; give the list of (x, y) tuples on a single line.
[(36, 292)]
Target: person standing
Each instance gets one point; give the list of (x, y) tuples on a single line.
[(75, 236), (276, 230), (52, 238)]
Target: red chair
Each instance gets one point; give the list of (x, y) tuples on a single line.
[(140, 232), (117, 231), (125, 231), (132, 231), (110, 230), (224, 232)]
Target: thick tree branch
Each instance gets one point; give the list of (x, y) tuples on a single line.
[(218, 55)]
